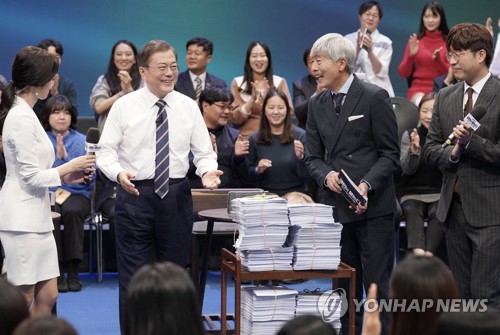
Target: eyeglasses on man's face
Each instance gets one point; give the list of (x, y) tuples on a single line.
[(456, 55)]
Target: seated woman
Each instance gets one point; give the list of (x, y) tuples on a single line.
[(276, 155), (250, 89), (122, 77), (72, 200), (161, 299), (420, 185)]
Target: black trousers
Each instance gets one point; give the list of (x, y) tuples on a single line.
[(69, 242), (416, 212), (151, 229), (368, 246)]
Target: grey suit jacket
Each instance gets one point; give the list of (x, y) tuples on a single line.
[(184, 84), (479, 166), (366, 148)]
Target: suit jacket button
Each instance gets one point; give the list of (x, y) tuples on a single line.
[(350, 156)]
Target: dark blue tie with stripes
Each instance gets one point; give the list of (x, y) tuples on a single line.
[(162, 151)]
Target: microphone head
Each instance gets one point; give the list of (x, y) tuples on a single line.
[(93, 135), (478, 112)]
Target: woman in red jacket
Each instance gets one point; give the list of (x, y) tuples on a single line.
[(425, 54)]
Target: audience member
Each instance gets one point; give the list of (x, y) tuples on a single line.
[(466, 323), (420, 185), (154, 211), (276, 156), (352, 126), (72, 200), (48, 325), (216, 106), (195, 79), (122, 77), (25, 219), (13, 308), (373, 50), (162, 299), (250, 89), (425, 54), (444, 80), (303, 89), (471, 184), (61, 85), (495, 63), (307, 325)]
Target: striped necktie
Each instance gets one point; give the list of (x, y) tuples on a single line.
[(198, 88), (162, 151)]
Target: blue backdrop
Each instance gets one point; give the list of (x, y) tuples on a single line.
[(88, 29)]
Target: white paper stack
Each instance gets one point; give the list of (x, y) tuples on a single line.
[(265, 310), (315, 236), (279, 259), (309, 304), (263, 228)]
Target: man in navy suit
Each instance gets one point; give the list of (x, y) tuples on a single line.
[(470, 194), (303, 89), (351, 126), (196, 78)]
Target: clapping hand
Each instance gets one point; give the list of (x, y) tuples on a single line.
[(60, 148), (415, 142), (241, 146), (299, 149), (213, 139), (125, 81), (371, 323), (413, 44), (264, 164)]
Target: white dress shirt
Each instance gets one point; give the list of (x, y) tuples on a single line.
[(382, 48), (202, 76), (129, 136)]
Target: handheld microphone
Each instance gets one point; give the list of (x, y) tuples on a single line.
[(365, 33), (91, 146), (472, 119)]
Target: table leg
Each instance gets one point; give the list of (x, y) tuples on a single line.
[(223, 309), (206, 259)]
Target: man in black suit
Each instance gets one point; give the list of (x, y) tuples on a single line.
[(351, 126), (196, 78), (470, 194), (303, 89)]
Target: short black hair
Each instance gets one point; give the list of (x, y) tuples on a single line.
[(207, 45), (213, 94), (369, 4), (46, 43)]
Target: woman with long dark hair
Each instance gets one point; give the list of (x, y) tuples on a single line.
[(25, 217)]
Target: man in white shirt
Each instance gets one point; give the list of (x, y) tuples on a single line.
[(151, 225)]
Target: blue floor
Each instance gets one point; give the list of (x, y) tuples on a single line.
[(94, 310)]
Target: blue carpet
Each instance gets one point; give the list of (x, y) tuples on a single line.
[(94, 310)]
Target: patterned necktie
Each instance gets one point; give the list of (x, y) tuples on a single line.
[(198, 88), (468, 104), (337, 100), (162, 151)]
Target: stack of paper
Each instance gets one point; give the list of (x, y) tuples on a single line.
[(263, 228), (265, 310), (309, 303), (315, 236)]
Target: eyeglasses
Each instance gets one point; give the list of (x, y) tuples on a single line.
[(163, 68), (225, 106), (456, 55)]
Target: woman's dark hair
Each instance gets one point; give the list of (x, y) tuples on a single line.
[(45, 325), (32, 66), (112, 73), (420, 278), (365, 6), (426, 97), (13, 307), (161, 299), (436, 9), (307, 325), (264, 136), (479, 322), (247, 69), (213, 94), (57, 103)]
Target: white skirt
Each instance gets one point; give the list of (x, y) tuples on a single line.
[(30, 257)]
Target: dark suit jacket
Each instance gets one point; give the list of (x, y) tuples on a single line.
[(479, 166), (366, 148), (303, 89), (184, 84)]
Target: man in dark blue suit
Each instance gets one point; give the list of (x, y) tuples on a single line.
[(303, 89), (351, 126), (196, 78)]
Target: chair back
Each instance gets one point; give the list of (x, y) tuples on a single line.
[(407, 114)]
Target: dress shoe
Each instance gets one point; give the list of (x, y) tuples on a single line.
[(62, 284), (74, 285)]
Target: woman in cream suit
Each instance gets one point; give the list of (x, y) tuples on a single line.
[(25, 215)]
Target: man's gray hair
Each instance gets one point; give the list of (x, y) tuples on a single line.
[(335, 47)]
